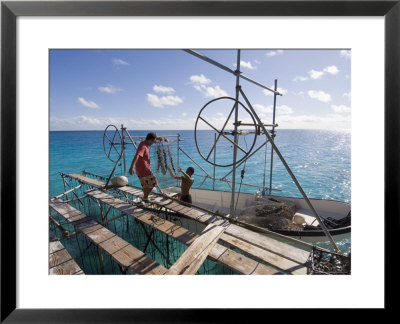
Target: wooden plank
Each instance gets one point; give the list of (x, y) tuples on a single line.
[(179, 233), (137, 263), (58, 257), (192, 259), (56, 246), (112, 244), (285, 250), (61, 262), (101, 235), (258, 240), (87, 180), (233, 260), (273, 259), (67, 268)]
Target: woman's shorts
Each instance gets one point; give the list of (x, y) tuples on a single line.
[(148, 182)]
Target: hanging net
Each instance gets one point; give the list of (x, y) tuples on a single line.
[(164, 156)]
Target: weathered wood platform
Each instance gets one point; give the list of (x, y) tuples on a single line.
[(261, 248), (233, 260), (126, 255), (191, 260), (61, 262)]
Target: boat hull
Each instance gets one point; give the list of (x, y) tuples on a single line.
[(219, 202)]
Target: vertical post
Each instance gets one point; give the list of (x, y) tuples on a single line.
[(215, 156), (167, 239), (265, 168), (237, 72), (123, 146), (273, 137), (100, 260), (177, 154)]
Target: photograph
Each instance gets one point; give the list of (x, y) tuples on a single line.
[(210, 138), (222, 161)]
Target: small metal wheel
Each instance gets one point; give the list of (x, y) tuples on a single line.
[(216, 147), (112, 140)]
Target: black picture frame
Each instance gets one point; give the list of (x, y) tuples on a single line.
[(10, 10)]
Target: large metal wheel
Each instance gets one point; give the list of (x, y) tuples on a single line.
[(211, 117), (112, 143)]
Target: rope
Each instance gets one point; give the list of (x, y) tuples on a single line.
[(160, 156), (241, 175), (170, 159)]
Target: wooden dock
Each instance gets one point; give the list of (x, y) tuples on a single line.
[(61, 262), (126, 255), (264, 255), (233, 260)]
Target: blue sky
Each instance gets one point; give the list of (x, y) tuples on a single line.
[(166, 89)]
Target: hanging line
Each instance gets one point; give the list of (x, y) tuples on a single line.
[(170, 158), (161, 155), (242, 174), (164, 159)]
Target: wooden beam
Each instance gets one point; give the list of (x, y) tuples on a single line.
[(192, 259)]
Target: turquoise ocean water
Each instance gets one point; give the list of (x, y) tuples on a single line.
[(320, 160)]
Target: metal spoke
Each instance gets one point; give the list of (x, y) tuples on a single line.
[(223, 135), (223, 128)]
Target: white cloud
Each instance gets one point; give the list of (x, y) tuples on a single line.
[(331, 69), (109, 89), (160, 102), (162, 89), (300, 78), (263, 109), (184, 114), (199, 83), (347, 95), (315, 74), (119, 62), (270, 93), (88, 123), (345, 53), (285, 121), (284, 110), (274, 53), (341, 109), (332, 122), (89, 104), (213, 92), (266, 111), (246, 65), (319, 95), (199, 79)]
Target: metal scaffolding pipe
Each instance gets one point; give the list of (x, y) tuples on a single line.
[(292, 175), (223, 67)]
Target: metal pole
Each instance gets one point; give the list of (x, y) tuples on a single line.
[(195, 163), (241, 162), (223, 67), (178, 146), (235, 134), (123, 147), (265, 169), (215, 152), (273, 137), (292, 175)]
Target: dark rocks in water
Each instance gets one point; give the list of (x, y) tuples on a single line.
[(270, 213)]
